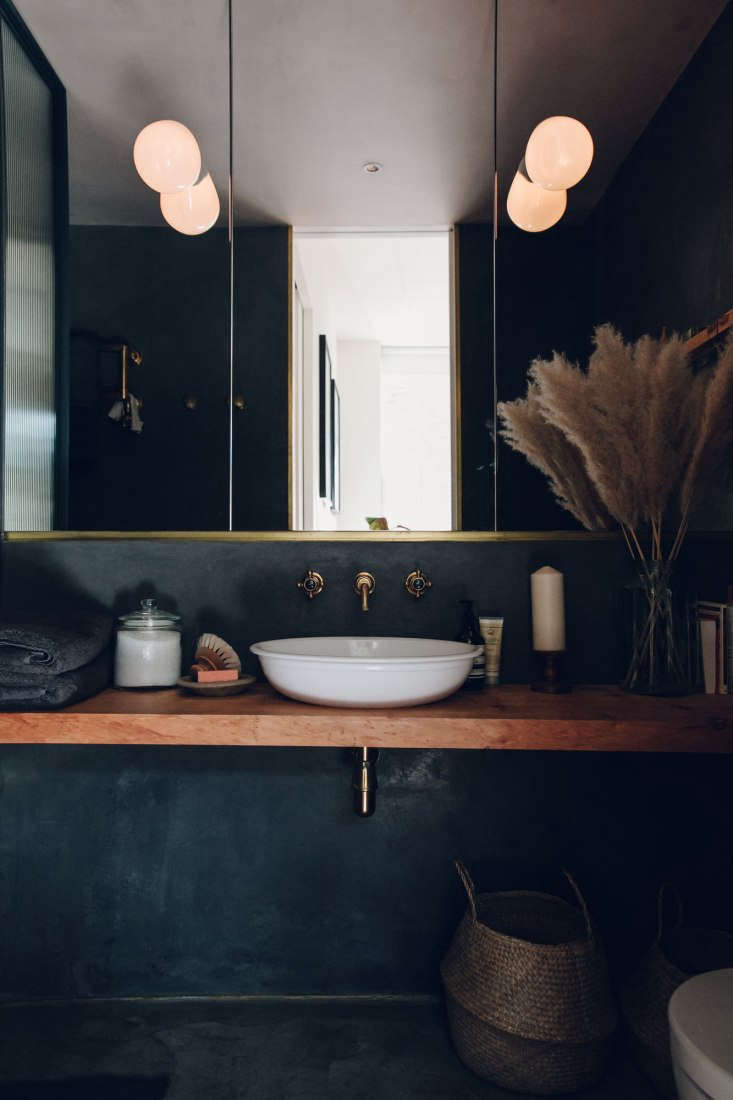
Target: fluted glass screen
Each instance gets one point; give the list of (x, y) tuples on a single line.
[(29, 408)]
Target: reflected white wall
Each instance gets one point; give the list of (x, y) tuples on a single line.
[(415, 437), (383, 299), (359, 366)]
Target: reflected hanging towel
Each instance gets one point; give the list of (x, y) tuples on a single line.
[(134, 420)]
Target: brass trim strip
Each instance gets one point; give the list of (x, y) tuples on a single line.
[(457, 403), (315, 536), (290, 377)]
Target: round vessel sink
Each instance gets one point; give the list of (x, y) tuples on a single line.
[(365, 672)]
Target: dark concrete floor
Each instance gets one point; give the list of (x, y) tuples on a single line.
[(258, 1049)]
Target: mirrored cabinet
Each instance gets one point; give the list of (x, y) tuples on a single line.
[(271, 267)]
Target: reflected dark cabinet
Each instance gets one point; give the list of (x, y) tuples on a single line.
[(260, 470)]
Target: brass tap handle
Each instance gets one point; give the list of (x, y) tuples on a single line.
[(312, 584), (364, 586), (417, 583)]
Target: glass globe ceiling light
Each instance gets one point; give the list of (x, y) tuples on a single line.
[(193, 210), (167, 156), (531, 207), (559, 153)]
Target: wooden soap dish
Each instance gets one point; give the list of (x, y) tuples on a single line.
[(224, 687)]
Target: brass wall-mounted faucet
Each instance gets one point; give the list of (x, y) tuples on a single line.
[(364, 586), (312, 584), (417, 583)]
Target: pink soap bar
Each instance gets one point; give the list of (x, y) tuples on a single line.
[(216, 675)]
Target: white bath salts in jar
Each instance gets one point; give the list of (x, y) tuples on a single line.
[(148, 652)]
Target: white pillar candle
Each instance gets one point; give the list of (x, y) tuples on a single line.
[(548, 610)]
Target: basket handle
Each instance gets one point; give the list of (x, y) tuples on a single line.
[(468, 886), (668, 886), (581, 902)]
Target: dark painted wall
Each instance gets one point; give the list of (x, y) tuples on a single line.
[(168, 296), (247, 591), (665, 226), (152, 870)]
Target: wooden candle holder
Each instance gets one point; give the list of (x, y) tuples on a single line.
[(552, 681)]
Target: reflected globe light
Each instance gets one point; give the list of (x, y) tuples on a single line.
[(167, 156), (559, 153), (194, 210), (532, 208)]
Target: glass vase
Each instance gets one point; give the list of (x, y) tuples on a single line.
[(661, 636)]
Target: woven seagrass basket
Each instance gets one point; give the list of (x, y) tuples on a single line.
[(527, 993), (678, 953)]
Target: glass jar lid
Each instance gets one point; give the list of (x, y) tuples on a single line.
[(149, 617)]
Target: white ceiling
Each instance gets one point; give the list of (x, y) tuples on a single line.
[(321, 86), (393, 289)]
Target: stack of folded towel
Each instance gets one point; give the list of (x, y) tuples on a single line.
[(50, 661)]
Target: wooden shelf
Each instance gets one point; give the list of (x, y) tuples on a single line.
[(601, 719)]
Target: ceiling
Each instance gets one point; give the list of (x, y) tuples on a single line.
[(322, 86), (391, 288)]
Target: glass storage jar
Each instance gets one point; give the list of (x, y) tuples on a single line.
[(148, 651)]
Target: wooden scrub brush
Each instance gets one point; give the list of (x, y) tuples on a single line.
[(215, 660)]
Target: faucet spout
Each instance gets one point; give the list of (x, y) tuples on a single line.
[(364, 587)]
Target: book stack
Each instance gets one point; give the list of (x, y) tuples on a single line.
[(715, 621)]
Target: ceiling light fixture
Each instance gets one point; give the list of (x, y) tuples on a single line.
[(168, 160), (194, 210), (559, 153), (533, 208), (372, 166), (167, 156)]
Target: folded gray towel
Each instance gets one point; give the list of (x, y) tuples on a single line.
[(51, 692), (51, 643)]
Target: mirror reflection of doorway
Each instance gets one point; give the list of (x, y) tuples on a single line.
[(380, 301)]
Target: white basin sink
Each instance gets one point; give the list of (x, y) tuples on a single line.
[(365, 672)]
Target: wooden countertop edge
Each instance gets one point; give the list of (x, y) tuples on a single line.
[(606, 734)]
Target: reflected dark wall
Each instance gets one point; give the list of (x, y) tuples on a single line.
[(665, 226), (474, 335), (654, 255), (167, 295), (261, 351), (664, 230), (544, 303), (545, 295)]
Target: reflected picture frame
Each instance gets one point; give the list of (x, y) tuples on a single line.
[(335, 448), (325, 465)]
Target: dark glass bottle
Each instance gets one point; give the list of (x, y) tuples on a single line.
[(470, 633)]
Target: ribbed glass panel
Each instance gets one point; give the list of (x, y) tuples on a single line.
[(28, 383)]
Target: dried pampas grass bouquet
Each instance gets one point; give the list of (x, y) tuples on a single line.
[(631, 439)]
